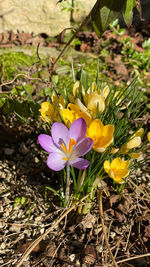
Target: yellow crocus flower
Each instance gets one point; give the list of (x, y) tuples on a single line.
[(72, 113), (134, 142), (47, 111), (117, 169), (101, 135), (95, 102), (148, 137), (76, 90)]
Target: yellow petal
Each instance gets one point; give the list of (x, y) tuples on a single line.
[(106, 91), (80, 105), (96, 102), (67, 115), (148, 137), (116, 163), (133, 143), (118, 180), (138, 133), (125, 164), (122, 174), (75, 89), (95, 129), (85, 116), (104, 142), (73, 107), (107, 166), (99, 149), (108, 130), (71, 98), (114, 150), (134, 155), (47, 111)]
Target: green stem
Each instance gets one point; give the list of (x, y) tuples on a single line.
[(81, 179), (67, 184)]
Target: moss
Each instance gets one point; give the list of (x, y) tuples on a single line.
[(14, 62)]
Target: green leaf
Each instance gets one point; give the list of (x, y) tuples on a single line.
[(105, 12), (84, 79), (2, 101), (128, 11)]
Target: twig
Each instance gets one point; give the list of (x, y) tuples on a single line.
[(100, 193), (132, 222), (133, 258), (3, 73), (19, 74), (38, 240), (37, 51)]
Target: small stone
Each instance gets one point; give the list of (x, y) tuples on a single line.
[(23, 149), (72, 257), (99, 249), (9, 151), (15, 228), (113, 234), (97, 229), (88, 221), (36, 160)]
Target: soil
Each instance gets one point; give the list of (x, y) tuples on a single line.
[(27, 210)]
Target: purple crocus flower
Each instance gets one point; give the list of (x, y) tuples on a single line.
[(67, 146)]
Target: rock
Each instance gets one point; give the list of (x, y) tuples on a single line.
[(9, 151), (84, 7), (88, 221), (32, 17)]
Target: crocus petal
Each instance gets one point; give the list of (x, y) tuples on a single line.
[(135, 155), (107, 166), (108, 130), (118, 180), (77, 129), (47, 143), (116, 163), (82, 147), (79, 163), (148, 137), (133, 143), (59, 133), (55, 161), (125, 164), (99, 149)]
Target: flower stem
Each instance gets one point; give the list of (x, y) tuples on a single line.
[(81, 179), (67, 184)]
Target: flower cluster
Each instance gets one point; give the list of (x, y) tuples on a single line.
[(87, 132)]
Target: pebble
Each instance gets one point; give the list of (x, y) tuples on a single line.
[(23, 149), (88, 221), (15, 228), (9, 151)]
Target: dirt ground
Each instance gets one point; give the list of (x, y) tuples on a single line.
[(27, 212)]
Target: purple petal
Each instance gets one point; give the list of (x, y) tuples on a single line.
[(77, 129), (59, 133), (47, 143), (82, 147), (79, 163), (55, 161)]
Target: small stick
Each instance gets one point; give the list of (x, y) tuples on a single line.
[(133, 258), (100, 193), (19, 74)]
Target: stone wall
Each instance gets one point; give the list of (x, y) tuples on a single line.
[(33, 16), (45, 16)]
